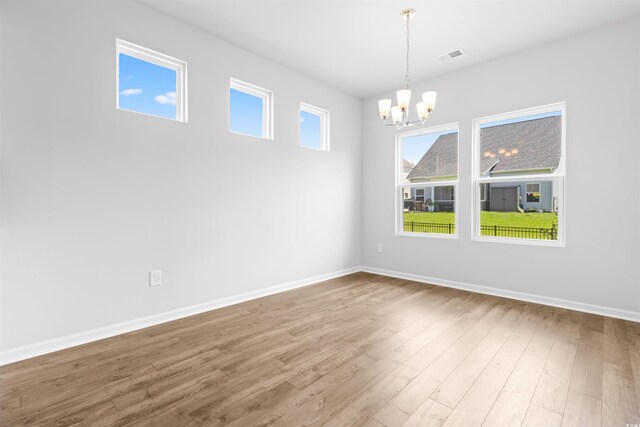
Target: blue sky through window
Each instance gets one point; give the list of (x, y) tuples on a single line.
[(414, 147), (245, 113), (310, 131), (521, 119), (146, 88)]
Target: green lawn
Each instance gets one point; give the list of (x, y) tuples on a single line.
[(430, 217), (505, 219)]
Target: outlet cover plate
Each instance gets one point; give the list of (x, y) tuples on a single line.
[(155, 278)]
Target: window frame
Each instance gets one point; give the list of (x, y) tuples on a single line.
[(159, 59), (267, 106), (557, 178), (324, 126), (398, 188)]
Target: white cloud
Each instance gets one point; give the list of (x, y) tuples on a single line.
[(128, 92), (167, 98), (301, 119)]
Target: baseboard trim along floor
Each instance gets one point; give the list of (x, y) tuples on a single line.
[(634, 316), (363, 349), (56, 344)]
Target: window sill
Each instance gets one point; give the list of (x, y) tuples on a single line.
[(428, 235), (526, 242)]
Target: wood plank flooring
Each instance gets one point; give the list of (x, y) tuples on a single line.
[(363, 350)]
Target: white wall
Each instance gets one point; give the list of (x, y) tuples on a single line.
[(93, 197), (598, 75)]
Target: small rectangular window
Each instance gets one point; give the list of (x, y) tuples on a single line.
[(519, 176), (250, 110), (314, 127), (428, 174), (533, 193), (150, 83)]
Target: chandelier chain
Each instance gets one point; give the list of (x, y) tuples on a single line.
[(406, 77)]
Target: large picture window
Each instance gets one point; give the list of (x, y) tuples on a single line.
[(519, 171), (427, 182)]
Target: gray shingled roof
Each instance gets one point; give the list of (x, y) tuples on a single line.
[(440, 160), (536, 144)]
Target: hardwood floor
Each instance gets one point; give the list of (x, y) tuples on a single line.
[(359, 350)]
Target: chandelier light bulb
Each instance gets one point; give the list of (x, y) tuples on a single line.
[(404, 99), (429, 99), (384, 105), (423, 114), (396, 115)]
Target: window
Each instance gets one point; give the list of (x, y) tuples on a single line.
[(533, 193), (444, 194), (250, 110), (150, 83), (519, 176), (427, 162), (314, 127)]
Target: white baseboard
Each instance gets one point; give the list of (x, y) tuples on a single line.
[(44, 347), (61, 343), (521, 296)]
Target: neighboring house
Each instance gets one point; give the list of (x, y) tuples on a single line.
[(407, 167), (439, 163), (513, 149)]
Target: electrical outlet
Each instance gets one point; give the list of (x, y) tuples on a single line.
[(379, 248), (155, 278)]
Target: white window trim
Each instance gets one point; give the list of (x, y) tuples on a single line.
[(324, 126), (558, 177), (157, 58), (539, 184), (399, 200), (267, 106)]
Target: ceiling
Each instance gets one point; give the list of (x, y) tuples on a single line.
[(359, 46)]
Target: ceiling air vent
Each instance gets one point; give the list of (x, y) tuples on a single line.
[(449, 56)]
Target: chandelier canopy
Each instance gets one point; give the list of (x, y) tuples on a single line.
[(399, 114)]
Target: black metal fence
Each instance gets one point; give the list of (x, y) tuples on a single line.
[(520, 232), (427, 227), (486, 230)]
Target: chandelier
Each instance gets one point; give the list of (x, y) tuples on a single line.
[(399, 114)]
